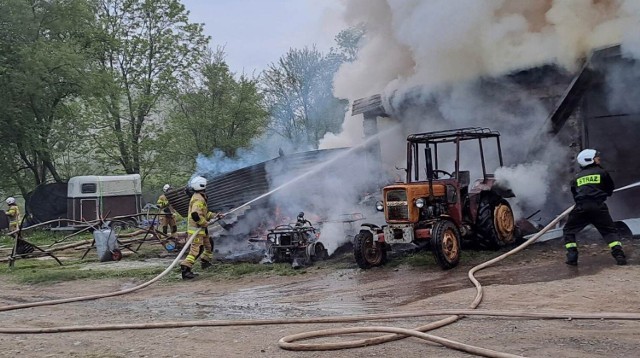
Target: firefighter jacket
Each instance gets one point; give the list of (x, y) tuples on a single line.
[(198, 204), (163, 204), (592, 184), (14, 214)]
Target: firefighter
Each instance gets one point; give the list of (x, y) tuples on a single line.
[(199, 217), (590, 188), (167, 212), (13, 213)]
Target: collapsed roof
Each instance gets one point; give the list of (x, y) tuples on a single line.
[(233, 189)]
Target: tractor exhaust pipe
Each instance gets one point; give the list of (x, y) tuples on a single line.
[(429, 163)]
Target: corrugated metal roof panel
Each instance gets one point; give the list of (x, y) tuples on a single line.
[(230, 190)]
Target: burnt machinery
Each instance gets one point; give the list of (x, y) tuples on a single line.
[(438, 208), (298, 244)]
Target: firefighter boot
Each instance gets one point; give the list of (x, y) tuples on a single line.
[(572, 256), (618, 254), (205, 264), (186, 273)]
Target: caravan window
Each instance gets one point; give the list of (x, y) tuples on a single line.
[(88, 188)]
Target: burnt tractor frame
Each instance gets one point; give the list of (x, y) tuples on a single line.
[(442, 210), (297, 244)]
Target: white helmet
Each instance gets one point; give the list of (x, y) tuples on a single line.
[(198, 183), (166, 188), (10, 200), (587, 156)]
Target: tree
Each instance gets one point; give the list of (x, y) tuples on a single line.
[(217, 112), (147, 49), (43, 64), (299, 94), (348, 42)]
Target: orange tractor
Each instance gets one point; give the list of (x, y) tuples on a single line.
[(438, 209)]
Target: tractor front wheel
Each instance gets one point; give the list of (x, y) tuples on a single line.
[(368, 253), (446, 244)]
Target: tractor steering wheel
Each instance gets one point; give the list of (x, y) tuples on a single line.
[(443, 172)]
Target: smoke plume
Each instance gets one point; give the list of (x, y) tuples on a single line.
[(429, 43), (443, 64)]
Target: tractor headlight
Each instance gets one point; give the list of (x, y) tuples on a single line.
[(379, 206), (420, 202)]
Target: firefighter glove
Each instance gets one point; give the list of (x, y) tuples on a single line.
[(195, 216)]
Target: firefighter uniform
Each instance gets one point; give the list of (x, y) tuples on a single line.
[(13, 213), (201, 245), (590, 188), (166, 215)]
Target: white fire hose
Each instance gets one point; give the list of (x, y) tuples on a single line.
[(108, 294), (398, 333)]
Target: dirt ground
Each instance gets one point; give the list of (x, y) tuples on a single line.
[(536, 279)]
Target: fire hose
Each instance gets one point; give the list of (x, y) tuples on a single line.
[(398, 333), (108, 294)]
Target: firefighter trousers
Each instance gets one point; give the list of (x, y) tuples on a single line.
[(596, 214), (167, 220), (201, 246)]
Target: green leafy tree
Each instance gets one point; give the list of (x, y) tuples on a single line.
[(348, 42), (217, 112), (299, 93), (43, 70), (147, 49), (299, 90)]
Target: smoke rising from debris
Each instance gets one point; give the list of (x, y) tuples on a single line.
[(268, 146), (331, 196), (446, 64)]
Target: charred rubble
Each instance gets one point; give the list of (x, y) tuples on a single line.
[(242, 234)]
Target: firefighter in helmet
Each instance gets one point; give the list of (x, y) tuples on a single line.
[(167, 212), (13, 213), (199, 217), (590, 188)]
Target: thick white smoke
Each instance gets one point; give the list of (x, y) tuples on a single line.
[(438, 55), (525, 180), (429, 43)]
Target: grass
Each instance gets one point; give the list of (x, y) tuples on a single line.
[(47, 271), (31, 271), (39, 271), (43, 238), (236, 270)]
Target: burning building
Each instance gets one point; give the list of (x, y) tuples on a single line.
[(546, 74), (525, 68), (592, 107), (262, 196)]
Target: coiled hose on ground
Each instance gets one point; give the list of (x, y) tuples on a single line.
[(288, 341)]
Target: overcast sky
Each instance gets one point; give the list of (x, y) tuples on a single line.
[(256, 33)]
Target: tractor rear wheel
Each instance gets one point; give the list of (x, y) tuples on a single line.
[(446, 244), (368, 253), (495, 223)]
